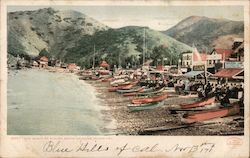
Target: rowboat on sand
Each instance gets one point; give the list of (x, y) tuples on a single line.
[(107, 79), (117, 81), (153, 99), (125, 87), (103, 72), (211, 114), (148, 93), (130, 90), (139, 107), (144, 90), (125, 83), (198, 103)]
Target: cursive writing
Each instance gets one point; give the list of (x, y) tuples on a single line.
[(86, 147), (93, 147), (138, 148), (201, 148), (51, 146)]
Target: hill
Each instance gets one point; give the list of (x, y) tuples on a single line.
[(126, 45), (70, 36), (29, 32), (206, 33)]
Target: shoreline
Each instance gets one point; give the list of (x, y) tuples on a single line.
[(118, 120), (131, 123), (110, 124), (82, 112)]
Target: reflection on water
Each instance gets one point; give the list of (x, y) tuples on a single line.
[(45, 103)]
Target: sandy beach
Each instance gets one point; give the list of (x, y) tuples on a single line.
[(120, 121), (132, 123)]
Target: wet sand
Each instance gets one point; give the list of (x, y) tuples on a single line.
[(131, 123), (44, 103)]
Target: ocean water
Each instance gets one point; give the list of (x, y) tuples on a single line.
[(44, 103)]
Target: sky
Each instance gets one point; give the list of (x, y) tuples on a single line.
[(156, 17)]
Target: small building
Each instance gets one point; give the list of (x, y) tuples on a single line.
[(43, 62), (35, 64), (220, 56), (225, 53), (228, 75), (104, 65), (213, 58), (64, 65), (187, 60), (238, 50), (160, 68), (58, 63), (72, 66), (52, 62)]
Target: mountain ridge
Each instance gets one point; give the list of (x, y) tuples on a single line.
[(205, 32), (70, 36)]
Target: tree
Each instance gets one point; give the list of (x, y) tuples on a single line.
[(159, 53), (44, 52)]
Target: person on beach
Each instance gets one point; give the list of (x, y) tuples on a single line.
[(200, 92), (208, 89)]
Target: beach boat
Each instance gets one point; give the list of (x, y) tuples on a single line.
[(211, 114), (198, 103), (153, 99), (107, 79), (121, 84), (113, 89), (130, 90), (125, 83), (121, 77), (150, 92), (176, 108), (95, 77), (126, 87), (103, 72), (139, 107), (84, 77), (117, 81), (135, 93)]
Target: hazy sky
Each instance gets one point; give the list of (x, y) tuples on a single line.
[(155, 17)]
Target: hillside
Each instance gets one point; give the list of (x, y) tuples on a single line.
[(71, 36), (206, 33), (127, 44), (29, 32)]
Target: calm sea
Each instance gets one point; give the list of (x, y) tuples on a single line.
[(45, 103)]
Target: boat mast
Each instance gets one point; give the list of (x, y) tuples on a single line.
[(93, 66), (119, 61), (144, 46), (205, 67)]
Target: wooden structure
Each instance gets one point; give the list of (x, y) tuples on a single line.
[(72, 66), (43, 62)]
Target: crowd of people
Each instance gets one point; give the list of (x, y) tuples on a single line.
[(222, 90)]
